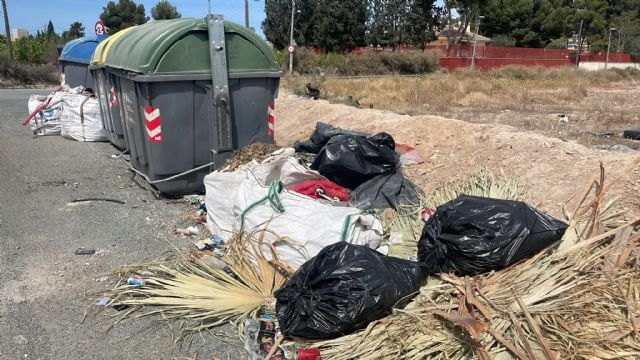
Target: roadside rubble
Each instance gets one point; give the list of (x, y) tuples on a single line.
[(327, 251)]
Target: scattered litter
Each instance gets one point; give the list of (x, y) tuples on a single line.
[(617, 147), (218, 252), (191, 230), (194, 199), (308, 354), (408, 155), (259, 340), (427, 214), (83, 251), (395, 238), (103, 301), (602, 134), (472, 235), (135, 281), (343, 289), (383, 249), (210, 243), (210, 259)]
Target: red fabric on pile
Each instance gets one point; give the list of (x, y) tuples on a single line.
[(329, 188)]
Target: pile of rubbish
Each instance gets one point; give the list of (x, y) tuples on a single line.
[(73, 113), (300, 260)]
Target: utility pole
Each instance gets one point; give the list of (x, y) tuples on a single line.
[(246, 13), (579, 45), (7, 29), (606, 62), (293, 10), (475, 42)]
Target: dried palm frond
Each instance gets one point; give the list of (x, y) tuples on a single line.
[(581, 300), (204, 295), (408, 219)]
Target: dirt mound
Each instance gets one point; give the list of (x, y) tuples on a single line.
[(552, 170)]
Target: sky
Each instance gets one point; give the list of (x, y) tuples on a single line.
[(34, 15)]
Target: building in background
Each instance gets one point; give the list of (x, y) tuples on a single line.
[(19, 33), (468, 37)]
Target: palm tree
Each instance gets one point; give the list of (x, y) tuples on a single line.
[(7, 29)]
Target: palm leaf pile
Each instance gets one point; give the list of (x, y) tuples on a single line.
[(579, 300), (202, 294)]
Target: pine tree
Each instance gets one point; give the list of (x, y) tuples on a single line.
[(422, 22), (122, 15), (164, 10)]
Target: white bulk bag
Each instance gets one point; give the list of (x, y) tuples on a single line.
[(222, 187), (47, 120), (81, 119), (297, 226), (236, 201)]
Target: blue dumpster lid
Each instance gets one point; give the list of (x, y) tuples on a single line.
[(80, 50)]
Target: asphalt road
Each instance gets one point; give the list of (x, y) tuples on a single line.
[(46, 290)]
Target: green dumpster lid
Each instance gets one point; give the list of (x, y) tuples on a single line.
[(182, 46)]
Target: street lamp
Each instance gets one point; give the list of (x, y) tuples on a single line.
[(475, 42), (293, 9), (606, 62)]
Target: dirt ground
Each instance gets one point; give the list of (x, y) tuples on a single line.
[(597, 120), (551, 169)]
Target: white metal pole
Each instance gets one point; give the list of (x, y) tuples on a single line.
[(293, 9), (475, 42), (579, 45), (606, 61)]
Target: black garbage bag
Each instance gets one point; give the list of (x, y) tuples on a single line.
[(342, 289), (472, 235), (322, 134), (385, 191), (350, 160)]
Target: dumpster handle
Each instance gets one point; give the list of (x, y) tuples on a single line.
[(128, 163)]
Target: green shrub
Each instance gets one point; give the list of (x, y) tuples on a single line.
[(21, 74), (503, 41), (307, 62), (560, 43)]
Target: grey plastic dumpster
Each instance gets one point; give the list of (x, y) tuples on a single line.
[(180, 121), (107, 88), (74, 60)]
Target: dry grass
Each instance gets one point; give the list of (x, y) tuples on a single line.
[(202, 296), (528, 98), (510, 88), (579, 301)]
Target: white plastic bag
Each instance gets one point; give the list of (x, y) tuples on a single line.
[(47, 120), (81, 119)]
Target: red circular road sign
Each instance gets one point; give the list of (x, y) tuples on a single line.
[(291, 48), (99, 28)]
